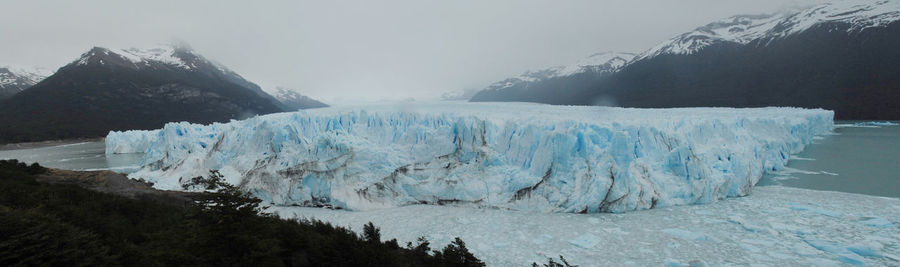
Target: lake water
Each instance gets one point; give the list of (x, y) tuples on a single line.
[(864, 160), (76, 156), (855, 159)]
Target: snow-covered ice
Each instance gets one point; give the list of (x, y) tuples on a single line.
[(130, 142), (498, 155), (716, 234)]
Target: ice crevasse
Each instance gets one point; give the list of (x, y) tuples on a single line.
[(499, 155)]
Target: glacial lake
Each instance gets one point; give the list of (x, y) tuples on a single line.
[(855, 159), (82, 156)]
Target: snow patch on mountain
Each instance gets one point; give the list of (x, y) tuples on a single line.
[(459, 94), (738, 29), (173, 55), (743, 29), (164, 54), (293, 100), (606, 62), (10, 74), (501, 155)]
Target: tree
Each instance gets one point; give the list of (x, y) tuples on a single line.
[(457, 254), (421, 248), (225, 200), (552, 263), (371, 233)]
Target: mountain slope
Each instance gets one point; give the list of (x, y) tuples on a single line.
[(130, 89), (15, 79), (553, 85), (459, 95), (854, 75), (840, 56), (292, 100), (855, 15)]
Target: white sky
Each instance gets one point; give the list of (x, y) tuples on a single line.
[(339, 51)]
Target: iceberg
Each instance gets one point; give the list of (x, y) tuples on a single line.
[(517, 156)]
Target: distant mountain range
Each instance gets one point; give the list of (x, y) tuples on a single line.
[(293, 100), (458, 95), (14, 79), (122, 89), (841, 56)]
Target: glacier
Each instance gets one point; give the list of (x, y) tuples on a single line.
[(761, 229), (518, 156)]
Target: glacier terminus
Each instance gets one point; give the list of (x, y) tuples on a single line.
[(515, 156)]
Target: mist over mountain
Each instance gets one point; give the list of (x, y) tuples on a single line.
[(293, 100)]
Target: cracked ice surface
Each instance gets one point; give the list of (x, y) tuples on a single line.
[(499, 155), (763, 228)]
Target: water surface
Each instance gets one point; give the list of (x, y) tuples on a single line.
[(855, 159), (77, 156)]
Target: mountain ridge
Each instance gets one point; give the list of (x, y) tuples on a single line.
[(293, 100), (14, 79), (838, 56), (120, 89)]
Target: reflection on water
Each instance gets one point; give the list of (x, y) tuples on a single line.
[(861, 159), (78, 156)]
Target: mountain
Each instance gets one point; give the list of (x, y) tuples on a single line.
[(840, 56), (552, 85), (14, 79), (120, 89), (457, 95), (292, 100)]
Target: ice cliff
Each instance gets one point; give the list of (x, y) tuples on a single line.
[(500, 155)]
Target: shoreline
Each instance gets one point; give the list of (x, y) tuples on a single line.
[(49, 143)]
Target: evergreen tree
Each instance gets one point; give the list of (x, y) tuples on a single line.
[(456, 253), (552, 263), (372, 233)]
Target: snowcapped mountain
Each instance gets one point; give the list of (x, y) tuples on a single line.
[(858, 15), (840, 56), (114, 89), (599, 63), (292, 100), (457, 95), (14, 79)]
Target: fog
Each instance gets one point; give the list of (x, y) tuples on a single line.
[(344, 51)]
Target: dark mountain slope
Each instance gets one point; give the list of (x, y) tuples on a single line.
[(855, 74), (130, 89), (841, 56)]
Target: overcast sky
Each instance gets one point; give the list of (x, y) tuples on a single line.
[(341, 51)]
